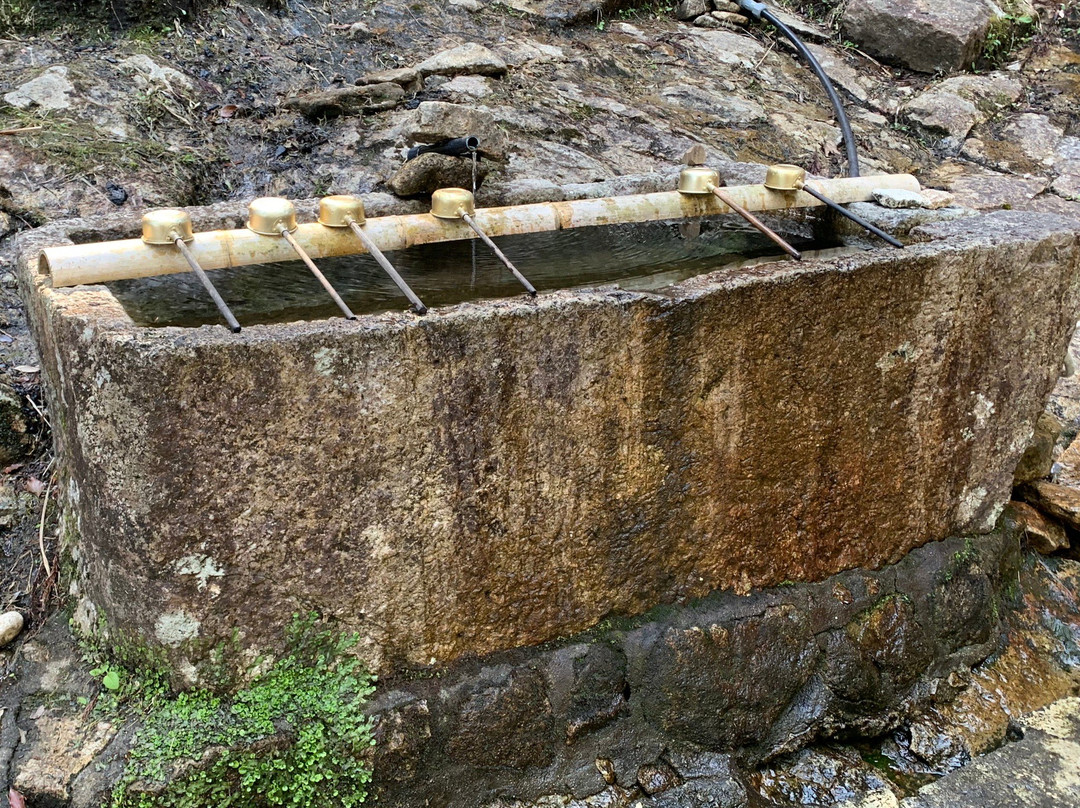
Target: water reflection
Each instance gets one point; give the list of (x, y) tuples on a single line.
[(638, 256)]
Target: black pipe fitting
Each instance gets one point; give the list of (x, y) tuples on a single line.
[(455, 147)]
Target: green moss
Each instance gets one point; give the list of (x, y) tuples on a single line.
[(969, 555), (1007, 34), (297, 735)]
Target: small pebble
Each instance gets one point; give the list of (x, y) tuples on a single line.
[(730, 18), (11, 623), (606, 769)]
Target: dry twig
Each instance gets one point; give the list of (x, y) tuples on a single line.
[(41, 534)]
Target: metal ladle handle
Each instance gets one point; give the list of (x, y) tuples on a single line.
[(315, 271), (756, 222), (376, 253), (521, 278), (219, 301)]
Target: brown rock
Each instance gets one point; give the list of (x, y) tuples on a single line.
[(429, 172), (347, 100), (696, 155), (439, 120), (1056, 501), (656, 778), (1038, 457), (728, 18), (923, 36), (690, 9), (1041, 534), (408, 78), (65, 747), (720, 19), (1068, 470), (934, 199)]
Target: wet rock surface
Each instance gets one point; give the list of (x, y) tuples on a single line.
[(728, 675), (580, 718), (1043, 768)]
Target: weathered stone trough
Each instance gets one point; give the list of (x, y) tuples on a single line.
[(501, 474)]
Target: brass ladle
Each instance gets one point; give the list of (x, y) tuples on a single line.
[(273, 216), (788, 179), (348, 211), (698, 180), (457, 203), (164, 227)]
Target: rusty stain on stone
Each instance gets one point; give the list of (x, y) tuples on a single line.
[(502, 473)]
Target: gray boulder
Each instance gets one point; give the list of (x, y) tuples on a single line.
[(429, 172), (49, 91), (928, 37), (467, 59), (954, 106)]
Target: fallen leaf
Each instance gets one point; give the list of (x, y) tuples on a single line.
[(27, 369), (15, 799), (35, 486), (13, 467), (40, 711), (228, 111)]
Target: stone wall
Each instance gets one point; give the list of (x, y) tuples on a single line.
[(501, 474), (684, 700)]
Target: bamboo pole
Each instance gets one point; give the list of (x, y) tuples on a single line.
[(119, 260)]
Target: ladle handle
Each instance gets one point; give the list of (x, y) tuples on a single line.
[(219, 301), (315, 271), (756, 222), (376, 253), (877, 231), (483, 236)]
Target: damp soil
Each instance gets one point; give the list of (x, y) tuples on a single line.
[(647, 257)]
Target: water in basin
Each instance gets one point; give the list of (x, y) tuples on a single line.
[(637, 257)]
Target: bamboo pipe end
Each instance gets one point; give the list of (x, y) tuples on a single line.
[(268, 215), (450, 203), (340, 211), (166, 226), (698, 180)]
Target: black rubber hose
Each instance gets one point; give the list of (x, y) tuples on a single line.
[(859, 220), (759, 11), (458, 147)]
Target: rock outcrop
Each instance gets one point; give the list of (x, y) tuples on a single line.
[(925, 36)]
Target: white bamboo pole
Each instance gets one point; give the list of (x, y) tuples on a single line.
[(118, 260)]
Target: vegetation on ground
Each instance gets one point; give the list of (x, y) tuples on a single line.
[(297, 735)]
